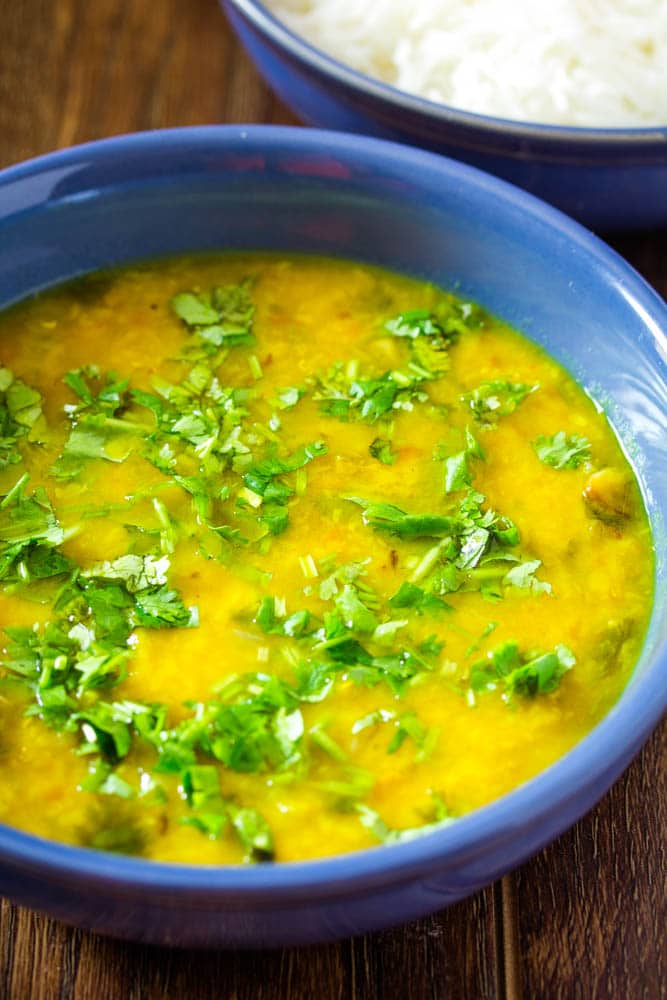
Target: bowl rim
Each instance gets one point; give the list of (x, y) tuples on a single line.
[(591, 764), (604, 138)]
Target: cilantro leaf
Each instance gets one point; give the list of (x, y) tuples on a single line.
[(268, 468), (380, 448), (201, 784), (521, 674), (116, 826), (344, 394), (275, 517), (96, 420), (253, 831), (373, 822), (194, 310), (222, 317), (471, 555), (136, 572), (20, 417), (491, 400), (561, 450), (432, 332), (269, 491), (387, 517), (353, 611), (429, 342), (523, 576), (103, 731), (410, 596), (457, 472), (253, 725), (408, 726), (163, 608), (415, 323), (457, 467), (99, 395), (29, 535), (288, 398)]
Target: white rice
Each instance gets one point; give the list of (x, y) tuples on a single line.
[(600, 63)]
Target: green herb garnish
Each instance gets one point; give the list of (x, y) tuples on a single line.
[(516, 673), (29, 536), (492, 400), (380, 448), (222, 317), (373, 822), (20, 417), (472, 553), (561, 450), (457, 467), (344, 394)]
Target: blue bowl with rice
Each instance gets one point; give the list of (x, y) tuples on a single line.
[(608, 178)]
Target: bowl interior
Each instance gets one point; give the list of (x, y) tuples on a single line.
[(406, 210)]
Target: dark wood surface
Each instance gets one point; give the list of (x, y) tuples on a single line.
[(586, 918)]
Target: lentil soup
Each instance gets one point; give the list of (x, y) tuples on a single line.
[(297, 556)]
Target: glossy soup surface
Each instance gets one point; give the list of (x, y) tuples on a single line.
[(329, 556)]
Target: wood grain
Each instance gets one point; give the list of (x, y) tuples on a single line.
[(593, 906), (448, 955), (73, 71), (586, 917)]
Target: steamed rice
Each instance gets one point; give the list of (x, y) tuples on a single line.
[(596, 63)]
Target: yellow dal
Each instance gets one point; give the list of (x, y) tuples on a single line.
[(310, 314)]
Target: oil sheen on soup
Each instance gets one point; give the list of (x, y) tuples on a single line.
[(297, 557)]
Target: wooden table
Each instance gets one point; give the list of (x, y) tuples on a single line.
[(583, 919)]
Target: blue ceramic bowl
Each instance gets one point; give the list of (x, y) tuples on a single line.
[(606, 178), (301, 190)]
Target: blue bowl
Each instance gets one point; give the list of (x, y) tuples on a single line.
[(301, 190), (606, 178)]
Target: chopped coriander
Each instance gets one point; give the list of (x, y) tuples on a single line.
[(136, 572), (387, 517), (522, 575), (253, 831), (222, 317), (98, 421), (201, 784), (561, 450), (119, 826), (259, 476), (271, 493), (21, 417), (415, 323), (432, 333), (353, 611), (100, 396), (321, 738), (457, 473), (289, 397), (342, 393), (410, 596), (373, 822), (457, 467), (491, 400), (472, 553), (163, 608), (514, 672), (408, 726), (255, 367), (29, 536), (380, 448)]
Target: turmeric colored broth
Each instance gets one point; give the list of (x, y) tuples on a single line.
[(391, 728)]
